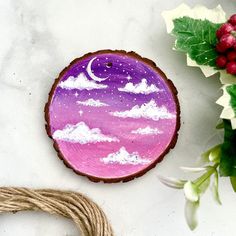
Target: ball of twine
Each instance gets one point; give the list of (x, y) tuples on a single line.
[(87, 215)]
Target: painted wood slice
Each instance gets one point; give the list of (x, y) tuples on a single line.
[(112, 115)]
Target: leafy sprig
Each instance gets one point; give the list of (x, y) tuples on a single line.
[(194, 189), (196, 37), (218, 160)]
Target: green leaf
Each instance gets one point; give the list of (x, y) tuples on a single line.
[(228, 151), (204, 186), (231, 89), (215, 187), (197, 38), (220, 125), (191, 213), (233, 182)]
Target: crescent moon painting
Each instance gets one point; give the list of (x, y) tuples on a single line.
[(115, 125), (90, 72)]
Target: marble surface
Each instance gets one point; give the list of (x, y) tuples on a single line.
[(38, 39)]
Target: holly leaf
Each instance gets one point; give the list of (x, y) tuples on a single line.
[(231, 89), (228, 102), (228, 151), (197, 38), (199, 14), (233, 182)]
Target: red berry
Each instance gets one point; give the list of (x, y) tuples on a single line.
[(231, 68), (227, 41), (221, 61), (231, 56), (224, 29), (232, 19), (220, 47)]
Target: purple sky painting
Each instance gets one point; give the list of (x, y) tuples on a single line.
[(112, 115)]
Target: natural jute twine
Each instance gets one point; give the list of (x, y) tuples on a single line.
[(88, 217)]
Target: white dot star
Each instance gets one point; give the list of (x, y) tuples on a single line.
[(76, 94), (128, 77)]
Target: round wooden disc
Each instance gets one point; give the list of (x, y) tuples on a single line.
[(113, 115)]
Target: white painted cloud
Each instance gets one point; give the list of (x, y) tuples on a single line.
[(141, 87), (92, 103), (123, 157), (148, 110), (146, 131), (80, 82), (81, 133)]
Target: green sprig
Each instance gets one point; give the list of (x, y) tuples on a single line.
[(194, 189)]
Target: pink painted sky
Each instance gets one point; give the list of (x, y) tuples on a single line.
[(65, 110)]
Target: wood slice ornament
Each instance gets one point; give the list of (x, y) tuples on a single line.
[(112, 115)]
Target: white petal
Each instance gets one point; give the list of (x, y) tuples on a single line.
[(172, 182), (194, 169), (191, 214)]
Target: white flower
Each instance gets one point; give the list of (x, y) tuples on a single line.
[(191, 192)]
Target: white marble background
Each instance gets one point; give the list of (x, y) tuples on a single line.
[(37, 40)]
